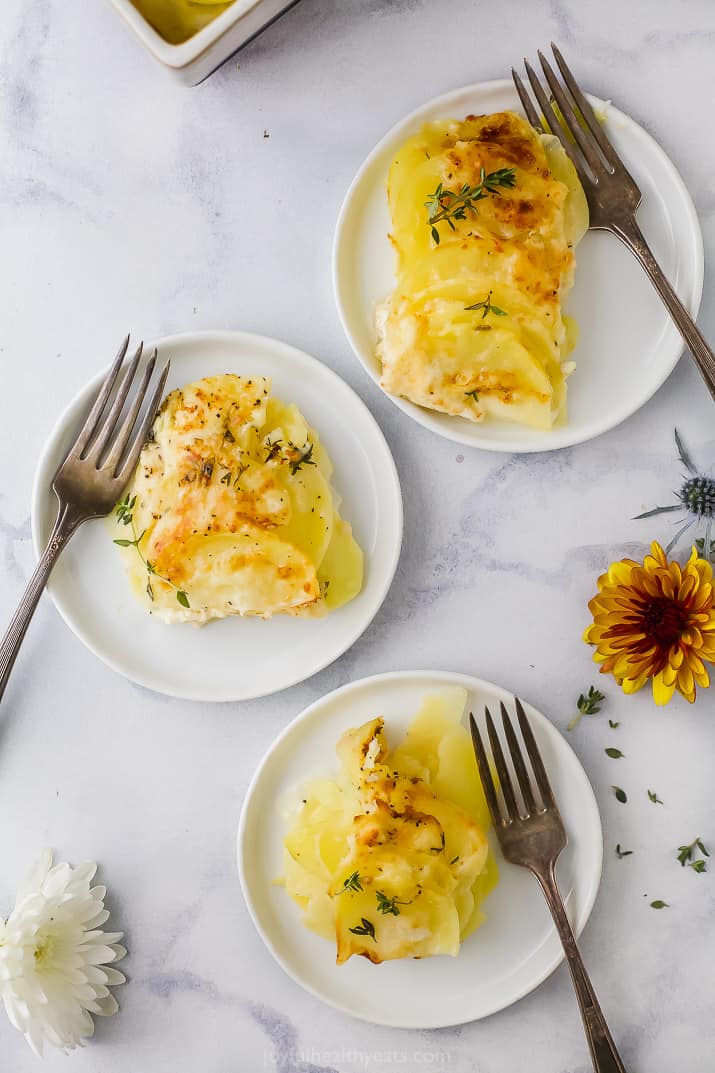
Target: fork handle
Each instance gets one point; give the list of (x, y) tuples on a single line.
[(64, 527), (631, 235), (604, 1055)]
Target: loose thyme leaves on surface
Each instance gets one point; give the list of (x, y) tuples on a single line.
[(352, 882), (365, 927), (125, 515), (659, 904), (613, 725), (686, 855), (620, 794), (615, 754), (446, 206), (487, 306), (621, 853), (652, 796), (587, 704)]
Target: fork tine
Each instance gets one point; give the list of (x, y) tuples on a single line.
[(502, 770), (584, 140), (522, 775), (485, 773), (90, 425), (542, 779), (553, 123), (101, 442), (531, 114), (122, 437), (140, 435), (586, 110)]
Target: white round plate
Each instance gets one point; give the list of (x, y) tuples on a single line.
[(234, 658), (627, 343), (502, 961)]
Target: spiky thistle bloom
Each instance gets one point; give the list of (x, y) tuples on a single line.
[(55, 959), (655, 621), (696, 500)]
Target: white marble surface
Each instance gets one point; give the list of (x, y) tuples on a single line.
[(130, 202)]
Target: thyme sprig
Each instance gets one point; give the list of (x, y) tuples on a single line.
[(365, 927), (388, 906), (487, 307), (446, 206), (125, 515), (587, 704), (353, 882)]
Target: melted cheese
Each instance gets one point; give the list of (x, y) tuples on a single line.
[(514, 252), (233, 507), (395, 844)]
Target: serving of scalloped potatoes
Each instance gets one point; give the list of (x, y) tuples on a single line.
[(389, 858), (231, 510), (485, 216)]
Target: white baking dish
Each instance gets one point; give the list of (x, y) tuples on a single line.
[(194, 60)]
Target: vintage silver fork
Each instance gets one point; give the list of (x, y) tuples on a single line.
[(531, 833), (91, 479), (611, 191)]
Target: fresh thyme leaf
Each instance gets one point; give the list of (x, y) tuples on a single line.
[(652, 796), (620, 794), (305, 458), (587, 704), (620, 853), (487, 306), (687, 853), (352, 882), (454, 859), (387, 906), (365, 927), (698, 866), (613, 725), (659, 904), (615, 754), (124, 511), (274, 449), (474, 394), (446, 206)]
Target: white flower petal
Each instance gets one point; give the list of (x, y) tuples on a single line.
[(51, 950), (108, 1006)]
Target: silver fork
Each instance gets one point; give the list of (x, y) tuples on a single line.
[(531, 834), (611, 191), (91, 479)]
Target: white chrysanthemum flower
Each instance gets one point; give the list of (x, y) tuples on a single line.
[(54, 956)]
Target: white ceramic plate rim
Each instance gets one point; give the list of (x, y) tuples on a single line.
[(449, 678), (47, 464), (560, 437)]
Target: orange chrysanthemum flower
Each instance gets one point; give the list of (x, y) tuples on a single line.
[(655, 621)]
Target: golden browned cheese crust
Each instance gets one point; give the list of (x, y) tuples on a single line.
[(390, 859), (233, 511), (510, 256)]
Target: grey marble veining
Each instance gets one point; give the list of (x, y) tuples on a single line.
[(126, 201)]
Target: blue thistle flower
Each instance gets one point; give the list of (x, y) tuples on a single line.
[(696, 498)]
